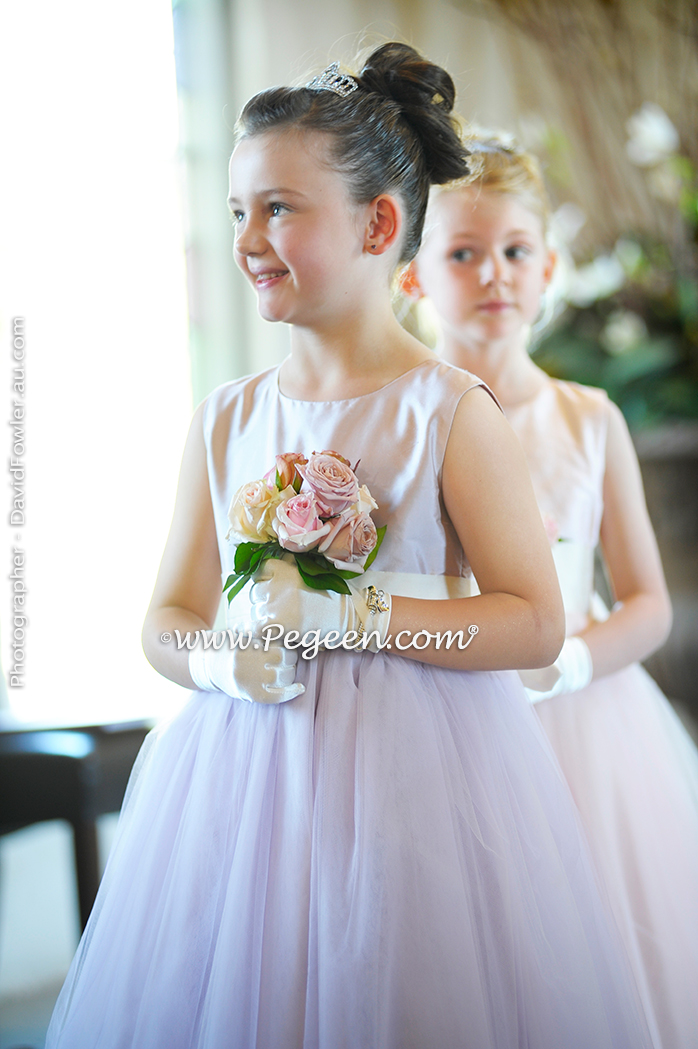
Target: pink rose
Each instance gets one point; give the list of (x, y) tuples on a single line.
[(332, 481), (285, 468), (350, 540), (298, 525), (551, 528), (329, 451)]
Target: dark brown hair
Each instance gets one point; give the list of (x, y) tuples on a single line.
[(395, 134)]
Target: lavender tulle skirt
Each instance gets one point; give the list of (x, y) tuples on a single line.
[(633, 771), (390, 861)]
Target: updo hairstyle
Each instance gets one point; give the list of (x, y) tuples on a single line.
[(499, 165), (395, 134)]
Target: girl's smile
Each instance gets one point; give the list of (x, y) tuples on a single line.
[(296, 230)]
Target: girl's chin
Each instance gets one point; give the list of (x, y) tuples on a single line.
[(498, 325)]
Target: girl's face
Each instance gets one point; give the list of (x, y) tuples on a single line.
[(298, 235), (484, 264)]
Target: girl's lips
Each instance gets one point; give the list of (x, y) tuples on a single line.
[(269, 278), (494, 307)]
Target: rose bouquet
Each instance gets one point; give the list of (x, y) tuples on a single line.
[(312, 508)]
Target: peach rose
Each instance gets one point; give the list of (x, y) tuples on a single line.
[(350, 540), (252, 511), (297, 523), (285, 468), (332, 481)]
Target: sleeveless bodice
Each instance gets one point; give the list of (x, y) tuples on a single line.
[(563, 432), (397, 435)]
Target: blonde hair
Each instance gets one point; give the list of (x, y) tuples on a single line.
[(497, 164)]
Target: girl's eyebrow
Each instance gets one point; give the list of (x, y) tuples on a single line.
[(279, 191), (477, 236)]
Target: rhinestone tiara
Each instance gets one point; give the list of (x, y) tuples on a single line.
[(332, 80)]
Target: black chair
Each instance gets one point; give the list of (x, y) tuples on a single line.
[(74, 774)]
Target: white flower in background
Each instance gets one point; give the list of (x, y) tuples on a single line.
[(623, 331), (597, 280), (652, 136), (566, 223)]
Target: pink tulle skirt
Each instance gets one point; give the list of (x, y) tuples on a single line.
[(633, 771), (390, 861)]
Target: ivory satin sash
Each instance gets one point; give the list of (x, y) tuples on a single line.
[(574, 563)]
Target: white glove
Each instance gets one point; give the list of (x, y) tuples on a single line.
[(571, 671), (279, 596), (250, 673)]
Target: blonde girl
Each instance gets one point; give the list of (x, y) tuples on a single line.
[(633, 770)]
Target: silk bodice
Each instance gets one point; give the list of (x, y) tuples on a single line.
[(397, 435), (563, 432)]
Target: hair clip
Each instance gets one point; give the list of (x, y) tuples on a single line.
[(332, 80)]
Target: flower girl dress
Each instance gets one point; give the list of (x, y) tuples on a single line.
[(631, 765), (392, 860)]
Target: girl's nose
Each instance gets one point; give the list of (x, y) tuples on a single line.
[(490, 270), (248, 239)]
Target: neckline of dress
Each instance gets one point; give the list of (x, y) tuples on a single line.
[(547, 385), (348, 400)]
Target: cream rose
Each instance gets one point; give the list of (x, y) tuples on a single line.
[(332, 481), (252, 511), (297, 523), (365, 503)]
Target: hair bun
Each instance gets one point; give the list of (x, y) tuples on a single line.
[(425, 94)]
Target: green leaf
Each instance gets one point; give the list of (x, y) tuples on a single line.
[(332, 582), (243, 579), (322, 581), (243, 553), (314, 564), (272, 549), (259, 555)]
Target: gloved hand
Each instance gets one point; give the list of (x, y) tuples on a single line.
[(571, 671), (250, 673), (279, 595)]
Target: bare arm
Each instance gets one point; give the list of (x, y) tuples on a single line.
[(489, 498), (188, 586), (642, 621)]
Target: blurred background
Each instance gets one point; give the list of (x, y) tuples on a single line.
[(116, 254)]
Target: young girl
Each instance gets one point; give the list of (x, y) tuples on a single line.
[(632, 768), (380, 853)]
